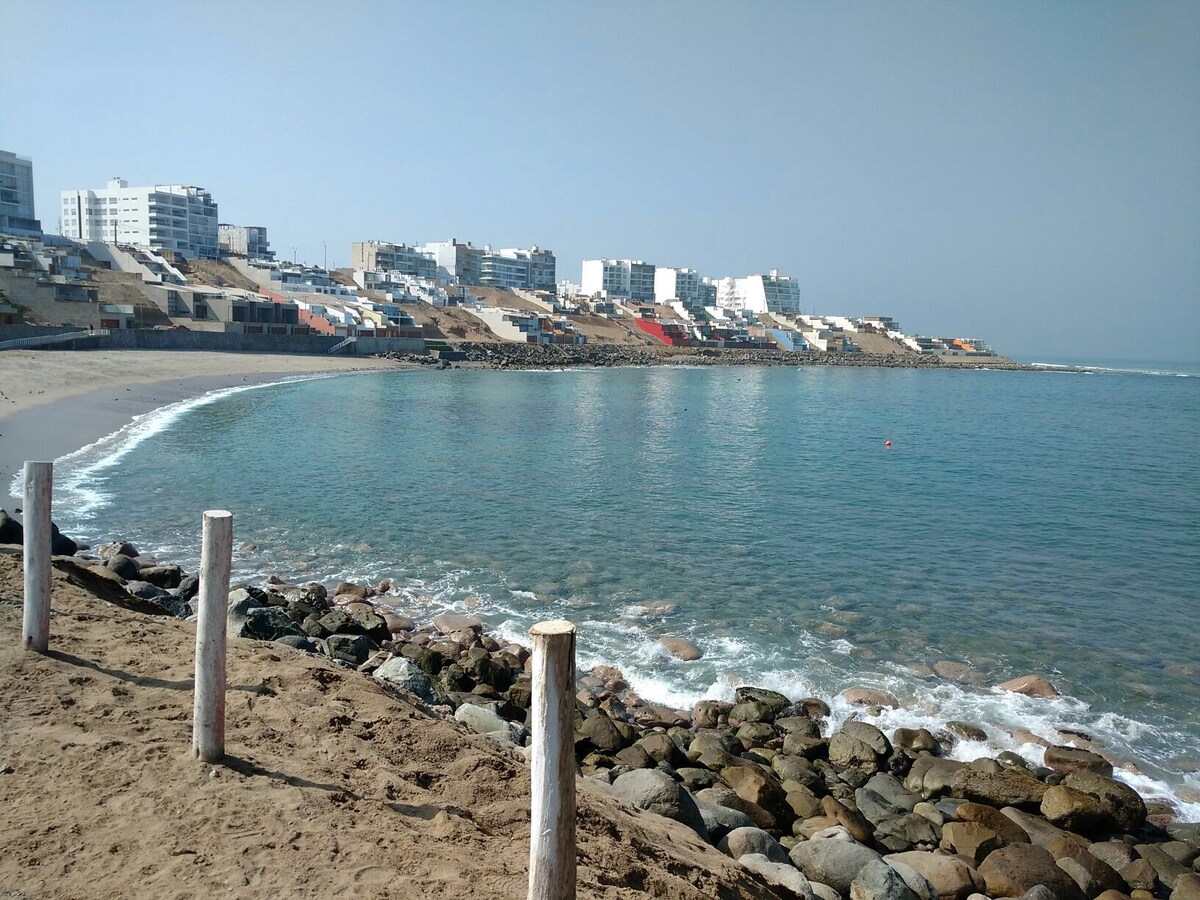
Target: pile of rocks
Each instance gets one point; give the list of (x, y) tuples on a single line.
[(814, 811)]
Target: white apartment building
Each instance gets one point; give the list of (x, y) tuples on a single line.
[(455, 261), (532, 269), (632, 279), (249, 241), (760, 293), (677, 284), (17, 214), (176, 217)]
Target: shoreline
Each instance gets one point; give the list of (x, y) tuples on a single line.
[(54, 403)]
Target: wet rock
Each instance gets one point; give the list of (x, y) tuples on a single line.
[(832, 862), (780, 875), (448, 623), (1030, 686), (680, 648), (710, 713), (801, 725), (869, 697), (741, 841), (1072, 759), (655, 791), (951, 877), (773, 700), (966, 731), (358, 591), (751, 712), (1013, 870), (915, 740), (959, 673)]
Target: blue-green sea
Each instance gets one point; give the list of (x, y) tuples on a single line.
[(1019, 523)]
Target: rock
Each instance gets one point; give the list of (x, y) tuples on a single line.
[(804, 803), (1115, 854), (1072, 759), (1122, 801), (970, 839), (162, 576), (915, 740), (349, 648), (11, 531), (1030, 686), (832, 862), (146, 590), (1140, 875), (774, 700), (298, 642), (655, 791), (448, 623), (1168, 869), (1013, 870), (846, 751), (824, 891), (406, 675), (950, 877), (124, 566), (755, 786), (350, 588), (873, 807), (892, 791), (1040, 832), (680, 648), (268, 623), (481, 719), (1101, 876), (1113, 895), (1076, 811), (1005, 829), (932, 776), (778, 875), (741, 841), (636, 757), (710, 713), (868, 697), (662, 749), (879, 881), (1180, 851), (726, 819), (1187, 887), (723, 796), (905, 832), (1011, 787), (801, 725), (751, 713), (959, 673), (601, 733), (966, 730)]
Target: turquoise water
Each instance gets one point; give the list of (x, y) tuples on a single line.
[(1020, 522)]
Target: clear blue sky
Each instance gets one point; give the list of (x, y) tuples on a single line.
[(1027, 172)]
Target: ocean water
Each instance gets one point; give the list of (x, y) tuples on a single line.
[(1019, 523)]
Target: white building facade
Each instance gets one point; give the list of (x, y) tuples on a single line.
[(677, 284), (631, 279), (17, 214), (381, 256), (177, 217), (760, 293)]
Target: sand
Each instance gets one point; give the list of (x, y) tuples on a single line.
[(332, 787), (54, 402)]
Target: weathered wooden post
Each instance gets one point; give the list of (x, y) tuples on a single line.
[(216, 559), (39, 487), (552, 763)]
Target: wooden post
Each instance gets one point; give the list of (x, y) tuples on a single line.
[(39, 487), (552, 763), (216, 559)]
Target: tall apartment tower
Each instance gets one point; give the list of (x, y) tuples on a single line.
[(17, 215), (176, 217)]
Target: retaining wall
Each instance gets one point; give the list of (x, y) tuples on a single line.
[(147, 339)]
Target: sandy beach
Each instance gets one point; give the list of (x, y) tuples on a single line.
[(52, 403)]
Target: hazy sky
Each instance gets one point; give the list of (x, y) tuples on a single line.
[(1026, 172)]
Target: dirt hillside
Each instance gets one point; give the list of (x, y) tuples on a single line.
[(333, 787)]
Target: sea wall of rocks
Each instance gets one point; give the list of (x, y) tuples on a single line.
[(550, 356), (814, 811)]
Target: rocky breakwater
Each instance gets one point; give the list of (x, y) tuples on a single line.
[(812, 810), (553, 356)]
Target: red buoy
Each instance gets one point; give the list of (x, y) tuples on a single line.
[(887, 443)]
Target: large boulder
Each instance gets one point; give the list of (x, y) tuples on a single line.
[(1076, 811), (832, 862), (892, 791), (124, 566), (1122, 801), (869, 697), (847, 751), (352, 649), (600, 732), (655, 791), (162, 576), (774, 700), (722, 796), (1011, 787), (951, 878), (740, 841), (760, 788), (1103, 876), (11, 531), (1006, 830), (931, 776), (1168, 869), (1013, 870), (970, 840), (1072, 759), (879, 881), (404, 674), (1040, 832), (268, 623), (680, 648), (448, 623)]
